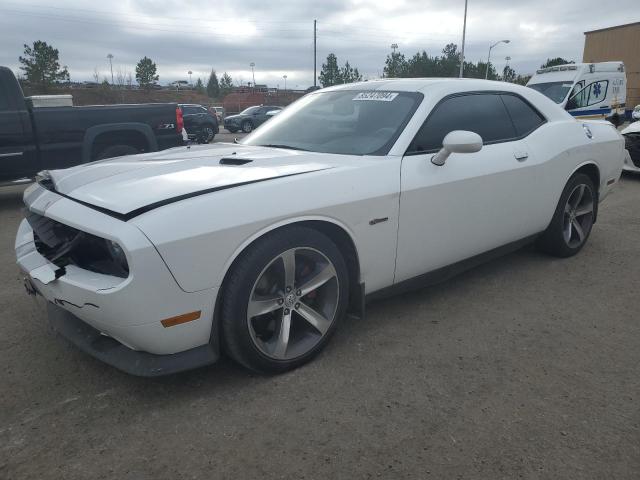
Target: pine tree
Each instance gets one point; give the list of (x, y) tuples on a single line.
[(330, 73), (226, 84), (213, 87), (146, 72), (41, 66)]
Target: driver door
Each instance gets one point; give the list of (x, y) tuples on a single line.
[(475, 202)]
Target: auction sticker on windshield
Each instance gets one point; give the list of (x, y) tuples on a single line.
[(376, 96)]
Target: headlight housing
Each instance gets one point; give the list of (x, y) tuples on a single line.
[(63, 245)]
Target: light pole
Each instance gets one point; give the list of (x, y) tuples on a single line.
[(190, 72), (110, 57), (486, 74), (253, 74), (394, 46), (464, 33), (285, 82)]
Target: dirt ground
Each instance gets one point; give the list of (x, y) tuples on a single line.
[(527, 367)]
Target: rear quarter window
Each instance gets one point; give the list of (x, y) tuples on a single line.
[(525, 118)]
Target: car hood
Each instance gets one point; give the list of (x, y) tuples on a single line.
[(129, 186), (234, 117)]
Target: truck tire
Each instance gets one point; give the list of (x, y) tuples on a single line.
[(116, 151)]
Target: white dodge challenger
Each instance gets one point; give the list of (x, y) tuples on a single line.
[(157, 263)]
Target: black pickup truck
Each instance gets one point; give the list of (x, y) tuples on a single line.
[(34, 139)]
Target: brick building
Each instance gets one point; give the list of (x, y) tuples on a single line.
[(617, 43)]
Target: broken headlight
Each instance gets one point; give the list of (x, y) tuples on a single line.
[(63, 245)]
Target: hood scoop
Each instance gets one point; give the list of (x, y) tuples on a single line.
[(234, 161)]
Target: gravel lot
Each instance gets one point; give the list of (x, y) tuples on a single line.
[(527, 367)]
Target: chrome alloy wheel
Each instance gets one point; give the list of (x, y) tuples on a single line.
[(293, 303), (578, 216)]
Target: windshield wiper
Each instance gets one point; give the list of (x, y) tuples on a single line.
[(289, 147)]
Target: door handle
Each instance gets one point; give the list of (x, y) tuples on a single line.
[(14, 154), (521, 156)]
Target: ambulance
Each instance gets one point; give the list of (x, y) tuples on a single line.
[(585, 90)]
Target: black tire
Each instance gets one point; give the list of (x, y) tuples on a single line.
[(208, 133), (247, 126), (554, 240), (116, 151), (239, 286)]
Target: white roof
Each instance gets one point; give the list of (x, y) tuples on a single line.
[(439, 84), (436, 88)]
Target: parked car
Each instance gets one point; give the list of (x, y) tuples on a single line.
[(219, 113), (33, 139), (632, 143), (181, 85), (249, 119), (199, 123), (352, 193), (585, 90)]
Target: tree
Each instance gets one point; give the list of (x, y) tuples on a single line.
[(449, 65), (350, 74), (200, 86), (395, 65), (330, 73), (213, 87), (226, 84), (552, 62), (522, 79), (509, 74), (146, 73), (41, 66)]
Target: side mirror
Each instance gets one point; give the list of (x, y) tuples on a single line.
[(458, 141), (571, 104)]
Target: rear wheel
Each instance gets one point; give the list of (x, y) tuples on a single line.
[(208, 133), (116, 151), (573, 219), (283, 300)]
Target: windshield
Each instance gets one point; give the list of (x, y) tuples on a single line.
[(556, 91), (249, 111), (348, 122)]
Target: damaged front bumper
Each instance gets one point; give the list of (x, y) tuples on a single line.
[(118, 320)]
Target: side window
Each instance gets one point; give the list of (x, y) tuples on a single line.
[(484, 114), (592, 94), (525, 118), (598, 92)]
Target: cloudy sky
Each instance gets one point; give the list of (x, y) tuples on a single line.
[(278, 35)]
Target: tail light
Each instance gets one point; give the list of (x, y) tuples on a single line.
[(179, 120)]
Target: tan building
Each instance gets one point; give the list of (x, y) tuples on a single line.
[(617, 43)]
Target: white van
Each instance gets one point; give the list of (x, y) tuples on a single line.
[(585, 90)]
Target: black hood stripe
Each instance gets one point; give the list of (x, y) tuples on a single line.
[(167, 201)]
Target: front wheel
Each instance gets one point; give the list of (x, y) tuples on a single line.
[(247, 126), (283, 300), (573, 219)]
